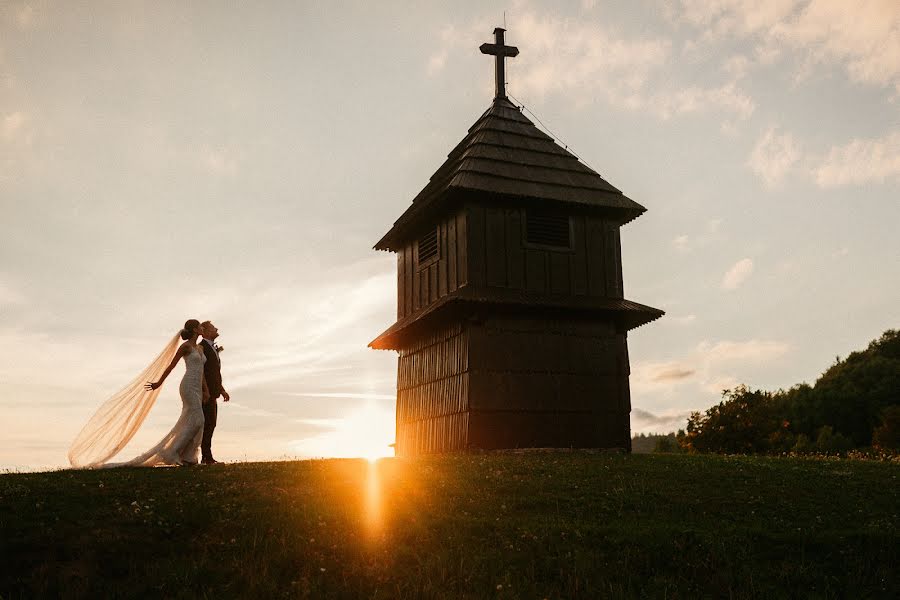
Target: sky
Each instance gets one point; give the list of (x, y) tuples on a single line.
[(165, 160)]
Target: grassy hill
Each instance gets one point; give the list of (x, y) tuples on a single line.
[(534, 525)]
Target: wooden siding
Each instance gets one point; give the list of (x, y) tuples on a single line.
[(557, 383), (498, 256), (483, 246), (417, 288), (432, 393), (514, 382)]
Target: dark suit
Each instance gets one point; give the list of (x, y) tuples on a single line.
[(212, 372)]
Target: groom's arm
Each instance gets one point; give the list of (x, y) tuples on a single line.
[(225, 395)]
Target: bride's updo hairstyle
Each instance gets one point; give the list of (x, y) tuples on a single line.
[(189, 326)]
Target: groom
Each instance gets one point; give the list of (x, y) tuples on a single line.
[(212, 372)]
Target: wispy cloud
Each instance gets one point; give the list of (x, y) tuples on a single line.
[(23, 15), (704, 236), (708, 368), (586, 61), (250, 411), (861, 161), (219, 160), (355, 395), (12, 124), (673, 373), (644, 421), (438, 60), (773, 156), (863, 37), (750, 350), (9, 295), (681, 320), (737, 274)]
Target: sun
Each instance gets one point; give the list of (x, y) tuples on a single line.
[(367, 432)]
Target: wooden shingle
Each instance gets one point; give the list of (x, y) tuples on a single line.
[(505, 154)]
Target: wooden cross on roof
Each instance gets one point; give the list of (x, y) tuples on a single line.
[(500, 51)]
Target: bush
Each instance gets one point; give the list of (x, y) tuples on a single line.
[(887, 435), (803, 445), (829, 442), (745, 422), (666, 445)]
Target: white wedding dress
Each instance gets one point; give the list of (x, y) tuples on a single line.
[(182, 444)]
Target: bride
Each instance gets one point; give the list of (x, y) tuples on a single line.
[(116, 422)]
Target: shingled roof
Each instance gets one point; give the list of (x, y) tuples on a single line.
[(504, 154)]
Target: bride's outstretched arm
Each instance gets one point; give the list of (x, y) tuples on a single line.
[(152, 385)]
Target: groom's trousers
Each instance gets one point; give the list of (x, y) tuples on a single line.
[(210, 412)]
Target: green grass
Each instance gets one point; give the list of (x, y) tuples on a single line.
[(534, 525)]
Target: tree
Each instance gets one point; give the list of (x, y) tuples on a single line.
[(852, 400), (744, 422), (666, 444), (852, 394), (829, 442), (887, 435)]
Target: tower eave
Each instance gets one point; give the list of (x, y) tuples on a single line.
[(626, 313)]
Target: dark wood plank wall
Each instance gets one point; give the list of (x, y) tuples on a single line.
[(485, 246), (417, 288), (566, 384), (432, 393), (567, 381), (499, 257)]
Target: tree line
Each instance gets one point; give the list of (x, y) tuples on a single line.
[(854, 404)]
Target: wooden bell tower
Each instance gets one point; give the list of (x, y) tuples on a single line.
[(511, 317)]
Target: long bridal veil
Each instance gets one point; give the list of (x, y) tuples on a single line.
[(119, 418)]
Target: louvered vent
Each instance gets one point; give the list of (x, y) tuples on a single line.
[(547, 229), (428, 247)]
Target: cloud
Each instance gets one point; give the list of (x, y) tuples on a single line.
[(840, 252), (709, 368), (644, 421), (438, 60), (860, 161), (11, 125), (684, 320), (774, 156), (9, 295), (737, 66), (737, 274), (354, 395), (656, 376), (25, 16), (219, 161), (862, 37), (728, 352), (673, 373), (693, 99), (585, 61), (706, 236), (249, 411)]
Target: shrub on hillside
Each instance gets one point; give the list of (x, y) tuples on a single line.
[(745, 422), (887, 435), (854, 404)]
